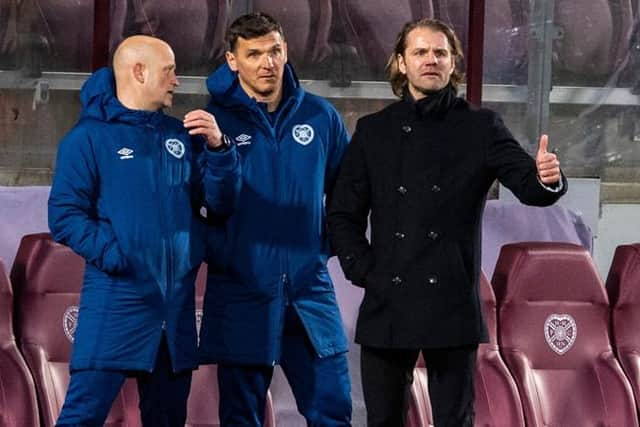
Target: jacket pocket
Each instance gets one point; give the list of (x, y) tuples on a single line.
[(458, 266)]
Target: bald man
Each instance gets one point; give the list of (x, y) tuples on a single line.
[(126, 194)]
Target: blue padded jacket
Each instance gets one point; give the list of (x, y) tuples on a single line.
[(125, 196), (273, 250)]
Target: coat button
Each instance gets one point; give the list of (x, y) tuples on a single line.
[(433, 235), (435, 188), (396, 280), (402, 190), (400, 235), (406, 129), (432, 280)]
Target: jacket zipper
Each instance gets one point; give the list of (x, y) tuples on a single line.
[(284, 280), (162, 181)]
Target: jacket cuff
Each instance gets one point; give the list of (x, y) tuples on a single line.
[(357, 267), (554, 188)]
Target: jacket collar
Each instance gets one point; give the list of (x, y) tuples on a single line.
[(225, 89), (99, 101), (408, 109)]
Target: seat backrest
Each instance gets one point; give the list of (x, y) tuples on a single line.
[(497, 401), (505, 36), (623, 287), (204, 396), (60, 36), (587, 28), (193, 28), (594, 35), (306, 26), (47, 279), (419, 413), (18, 404), (372, 26), (8, 33), (553, 333)]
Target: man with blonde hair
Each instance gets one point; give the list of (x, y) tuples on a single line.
[(421, 168), (127, 176)]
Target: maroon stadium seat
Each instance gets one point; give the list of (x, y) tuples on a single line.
[(372, 26), (623, 287), (18, 404), (594, 34), (497, 402), (57, 36), (8, 33), (505, 44), (194, 28), (594, 40), (419, 413), (306, 25), (553, 330), (204, 396), (47, 278)]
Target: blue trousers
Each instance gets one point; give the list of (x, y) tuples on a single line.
[(321, 386), (163, 395)]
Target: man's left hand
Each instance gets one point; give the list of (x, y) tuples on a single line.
[(547, 163), (200, 122)]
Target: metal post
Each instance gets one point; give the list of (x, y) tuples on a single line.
[(475, 52), (100, 44), (542, 32)]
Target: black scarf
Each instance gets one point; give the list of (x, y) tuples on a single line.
[(435, 104)]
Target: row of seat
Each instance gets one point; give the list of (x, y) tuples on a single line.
[(325, 36), (549, 360), (563, 350), (34, 372)]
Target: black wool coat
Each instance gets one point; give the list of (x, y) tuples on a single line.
[(423, 179)]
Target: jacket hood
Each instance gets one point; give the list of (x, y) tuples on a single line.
[(224, 86), (99, 101)]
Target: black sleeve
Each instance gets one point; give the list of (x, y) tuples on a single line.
[(348, 213), (515, 168)]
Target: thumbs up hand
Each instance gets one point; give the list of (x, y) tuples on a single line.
[(547, 163)]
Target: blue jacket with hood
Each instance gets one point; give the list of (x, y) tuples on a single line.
[(273, 249), (125, 196)]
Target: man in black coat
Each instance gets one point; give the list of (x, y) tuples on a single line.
[(422, 168)]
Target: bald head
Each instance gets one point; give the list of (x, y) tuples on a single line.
[(144, 69)]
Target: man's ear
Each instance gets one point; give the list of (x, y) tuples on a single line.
[(231, 60), (402, 67), (286, 52), (138, 72)]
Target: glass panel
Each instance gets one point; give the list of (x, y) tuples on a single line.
[(594, 110), (31, 132), (38, 36), (194, 28), (52, 36), (595, 56)]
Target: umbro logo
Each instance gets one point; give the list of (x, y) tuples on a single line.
[(125, 153), (243, 139)]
